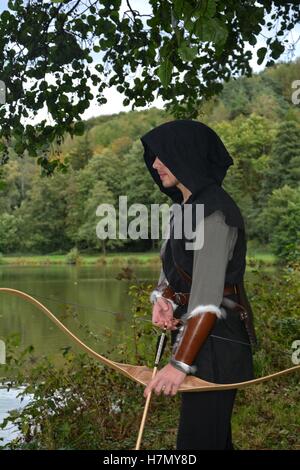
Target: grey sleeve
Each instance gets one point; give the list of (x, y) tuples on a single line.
[(162, 281), (209, 266), (162, 277)]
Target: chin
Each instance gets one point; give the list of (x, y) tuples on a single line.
[(168, 183)]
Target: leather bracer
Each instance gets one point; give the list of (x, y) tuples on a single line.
[(193, 335)]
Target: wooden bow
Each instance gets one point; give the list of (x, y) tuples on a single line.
[(142, 374)]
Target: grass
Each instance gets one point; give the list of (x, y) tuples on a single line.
[(109, 259), (262, 255), (265, 418)]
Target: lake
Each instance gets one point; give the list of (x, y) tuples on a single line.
[(77, 295)]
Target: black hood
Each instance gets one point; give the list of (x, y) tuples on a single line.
[(192, 151), (197, 157)]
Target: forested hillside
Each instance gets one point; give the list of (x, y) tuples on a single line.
[(259, 125)]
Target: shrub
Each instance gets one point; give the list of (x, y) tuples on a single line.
[(73, 256)]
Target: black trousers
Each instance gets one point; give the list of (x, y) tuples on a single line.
[(205, 420)]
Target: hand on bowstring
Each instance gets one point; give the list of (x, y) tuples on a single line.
[(162, 314)]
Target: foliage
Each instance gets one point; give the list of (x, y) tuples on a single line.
[(59, 212), (284, 167), (280, 222), (73, 257), (82, 405), (81, 154), (42, 216), (184, 50), (249, 141), (9, 232)]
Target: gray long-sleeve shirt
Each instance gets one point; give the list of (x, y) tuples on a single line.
[(209, 264)]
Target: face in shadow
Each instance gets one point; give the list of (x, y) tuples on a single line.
[(167, 178)]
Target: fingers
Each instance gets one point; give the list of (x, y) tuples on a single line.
[(162, 314), (169, 325), (159, 386), (164, 304), (159, 321), (149, 387), (167, 388), (175, 323), (156, 386)]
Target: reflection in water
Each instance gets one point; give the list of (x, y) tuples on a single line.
[(9, 400), (96, 297)]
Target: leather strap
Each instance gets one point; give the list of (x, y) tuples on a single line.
[(182, 298)]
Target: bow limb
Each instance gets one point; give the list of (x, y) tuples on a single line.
[(128, 370), (141, 374)]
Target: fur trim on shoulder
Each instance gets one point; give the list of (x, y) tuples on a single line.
[(219, 312)]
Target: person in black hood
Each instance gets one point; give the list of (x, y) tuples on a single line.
[(197, 288)]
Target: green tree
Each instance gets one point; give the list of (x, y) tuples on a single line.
[(280, 223), (140, 188), (17, 178), (81, 154), (106, 167), (249, 141), (43, 216), (236, 98), (87, 231), (10, 234), (100, 181), (184, 51), (138, 183), (284, 164), (74, 207)]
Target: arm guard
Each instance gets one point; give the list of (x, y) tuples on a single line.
[(192, 337)]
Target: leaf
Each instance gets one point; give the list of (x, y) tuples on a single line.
[(165, 72), (79, 128), (211, 30), (277, 49), (221, 32), (186, 52), (261, 54), (208, 8), (188, 11), (178, 8), (252, 40), (3, 185)]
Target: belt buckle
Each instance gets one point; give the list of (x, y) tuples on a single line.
[(244, 315), (178, 298)]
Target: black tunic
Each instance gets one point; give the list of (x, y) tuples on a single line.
[(226, 355), (197, 157)]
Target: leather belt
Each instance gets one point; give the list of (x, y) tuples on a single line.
[(182, 298)]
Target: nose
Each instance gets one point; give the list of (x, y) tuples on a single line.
[(156, 163)]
